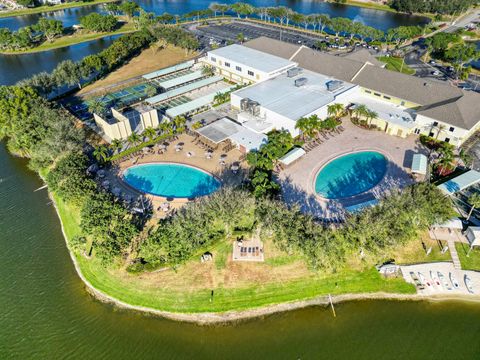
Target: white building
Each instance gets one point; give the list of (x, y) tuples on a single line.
[(244, 65), (405, 104)]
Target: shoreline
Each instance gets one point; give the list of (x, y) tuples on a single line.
[(254, 313), (48, 8)]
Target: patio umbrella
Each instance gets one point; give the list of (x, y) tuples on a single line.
[(234, 167), (223, 156), (105, 183)]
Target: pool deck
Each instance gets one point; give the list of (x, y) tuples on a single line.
[(197, 159), (298, 180)]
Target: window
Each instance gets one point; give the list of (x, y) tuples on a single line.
[(435, 123), (417, 131), (452, 129), (402, 103), (238, 68), (387, 97), (447, 140), (431, 134), (213, 59), (377, 94), (368, 91), (227, 64), (251, 73)]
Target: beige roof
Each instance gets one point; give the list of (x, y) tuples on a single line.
[(364, 56), (439, 100), (463, 111), (274, 47), (411, 88)]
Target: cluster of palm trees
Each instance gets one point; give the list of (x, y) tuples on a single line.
[(312, 125), (102, 153), (361, 114)]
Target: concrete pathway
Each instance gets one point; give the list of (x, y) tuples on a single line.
[(454, 254)]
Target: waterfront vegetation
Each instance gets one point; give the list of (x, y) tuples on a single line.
[(48, 8), (433, 7)]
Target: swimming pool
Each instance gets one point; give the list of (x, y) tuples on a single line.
[(171, 180), (351, 174)]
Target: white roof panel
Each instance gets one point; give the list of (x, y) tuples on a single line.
[(169, 70), (292, 155), (252, 58), (419, 164), (460, 182)]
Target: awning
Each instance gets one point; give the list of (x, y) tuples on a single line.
[(419, 164), (460, 182), (292, 156), (169, 70)]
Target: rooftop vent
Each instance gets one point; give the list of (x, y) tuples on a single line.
[(301, 81), (334, 85), (294, 72)]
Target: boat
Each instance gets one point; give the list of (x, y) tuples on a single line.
[(417, 282), (444, 281), (454, 281), (468, 284), (424, 281), (435, 280)]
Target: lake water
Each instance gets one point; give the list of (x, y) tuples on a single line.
[(376, 18), (15, 68), (47, 314)]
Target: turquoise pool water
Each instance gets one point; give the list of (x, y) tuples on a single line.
[(351, 174), (171, 180)]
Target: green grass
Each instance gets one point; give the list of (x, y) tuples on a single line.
[(220, 255), (194, 301), (470, 262), (64, 41), (48, 8), (395, 64)]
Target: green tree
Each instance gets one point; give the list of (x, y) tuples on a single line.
[(128, 8), (49, 28), (133, 139), (99, 23), (474, 201), (101, 153), (150, 133)]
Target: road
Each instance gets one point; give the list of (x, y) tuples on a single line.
[(472, 16)]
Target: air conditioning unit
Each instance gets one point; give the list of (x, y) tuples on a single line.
[(244, 104), (301, 81), (334, 85), (254, 108), (294, 72)]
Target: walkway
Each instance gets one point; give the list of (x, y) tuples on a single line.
[(454, 254), (297, 181)]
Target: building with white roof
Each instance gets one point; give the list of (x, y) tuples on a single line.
[(405, 104), (278, 103), (244, 65)]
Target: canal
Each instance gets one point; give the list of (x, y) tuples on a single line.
[(47, 314)]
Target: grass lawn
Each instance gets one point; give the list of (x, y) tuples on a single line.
[(414, 253), (149, 60), (395, 64), (236, 285), (369, 5), (48, 8), (470, 262), (73, 39)]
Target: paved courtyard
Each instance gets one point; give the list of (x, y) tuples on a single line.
[(298, 180)]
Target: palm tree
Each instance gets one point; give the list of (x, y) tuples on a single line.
[(133, 139), (371, 115), (179, 121), (446, 162), (240, 37), (440, 128), (101, 153), (360, 111), (336, 110), (207, 71), (150, 133), (116, 145), (474, 201)]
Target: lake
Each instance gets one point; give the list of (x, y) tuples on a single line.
[(380, 19), (15, 68), (47, 313)]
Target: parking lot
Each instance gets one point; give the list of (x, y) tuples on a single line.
[(224, 33)]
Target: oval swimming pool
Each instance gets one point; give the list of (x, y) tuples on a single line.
[(351, 174), (171, 180)]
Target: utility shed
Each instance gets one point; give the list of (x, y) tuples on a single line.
[(419, 164), (473, 236)]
